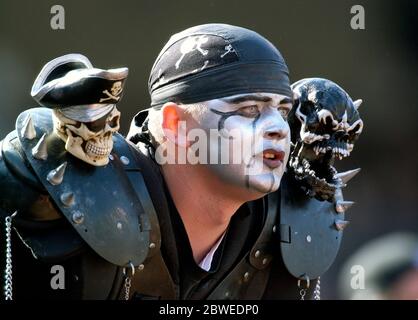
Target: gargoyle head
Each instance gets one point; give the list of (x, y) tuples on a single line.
[(325, 124)]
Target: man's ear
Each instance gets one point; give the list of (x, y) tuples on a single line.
[(174, 124)]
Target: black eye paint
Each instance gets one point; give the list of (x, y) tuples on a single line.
[(226, 115), (221, 126)]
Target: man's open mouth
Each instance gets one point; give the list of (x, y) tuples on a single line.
[(273, 158)]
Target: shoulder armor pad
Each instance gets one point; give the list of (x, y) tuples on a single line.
[(15, 160), (310, 238), (100, 202)]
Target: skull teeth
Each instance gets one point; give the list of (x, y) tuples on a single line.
[(98, 151)]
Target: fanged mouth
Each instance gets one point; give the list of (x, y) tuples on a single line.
[(340, 150), (97, 151)]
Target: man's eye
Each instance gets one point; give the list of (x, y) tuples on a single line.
[(250, 111), (284, 112)]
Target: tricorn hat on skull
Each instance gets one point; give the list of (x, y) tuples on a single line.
[(81, 92)]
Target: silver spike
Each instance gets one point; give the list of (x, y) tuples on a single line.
[(68, 199), (343, 206), (341, 224), (56, 176), (40, 150), (357, 103), (28, 130), (348, 175)]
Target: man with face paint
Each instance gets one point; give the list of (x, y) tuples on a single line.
[(228, 86)]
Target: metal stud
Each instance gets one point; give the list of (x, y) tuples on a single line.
[(78, 217), (111, 157), (141, 267), (119, 226), (28, 130), (39, 151), (257, 253), (341, 224), (124, 160), (68, 199), (265, 260), (152, 245), (308, 238), (56, 176), (246, 276), (274, 229), (343, 206), (347, 176)]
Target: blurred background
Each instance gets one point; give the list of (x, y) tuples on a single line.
[(378, 64)]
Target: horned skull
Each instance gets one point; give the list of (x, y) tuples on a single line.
[(325, 124), (89, 141)]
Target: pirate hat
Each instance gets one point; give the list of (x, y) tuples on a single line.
[(81, 92)]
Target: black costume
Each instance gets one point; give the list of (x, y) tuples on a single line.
[(115, 228)]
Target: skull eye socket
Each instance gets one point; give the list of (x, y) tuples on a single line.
[(113, 123), (97, 125), (328, 120)]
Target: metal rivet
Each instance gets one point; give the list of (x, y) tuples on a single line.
[(78, 217), (343, 206), (227, 294), (119, 225), (308, 238), (28, 130), (39, 151), (56, 176), (111, 157), (152, 245), (67, 199), (124, 160), (141, 267), (340, 224), (265, 260), (246, 276), (257, 253), (274, 228)]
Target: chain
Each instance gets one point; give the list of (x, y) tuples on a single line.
[(127, 287), (303, 289), (317, 291), (127, 284), (8, 279), (302, 293)]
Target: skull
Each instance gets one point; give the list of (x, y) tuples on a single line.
[(89, 141), (116, 88), (325, 124)]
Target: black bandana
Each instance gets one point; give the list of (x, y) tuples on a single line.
[(214, 61)]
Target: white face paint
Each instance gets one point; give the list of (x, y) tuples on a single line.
[(258, 123)]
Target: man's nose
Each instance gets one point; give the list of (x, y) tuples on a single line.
[(276, 132), (276, 128)]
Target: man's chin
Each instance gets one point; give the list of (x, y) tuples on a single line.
[(263, 183)]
